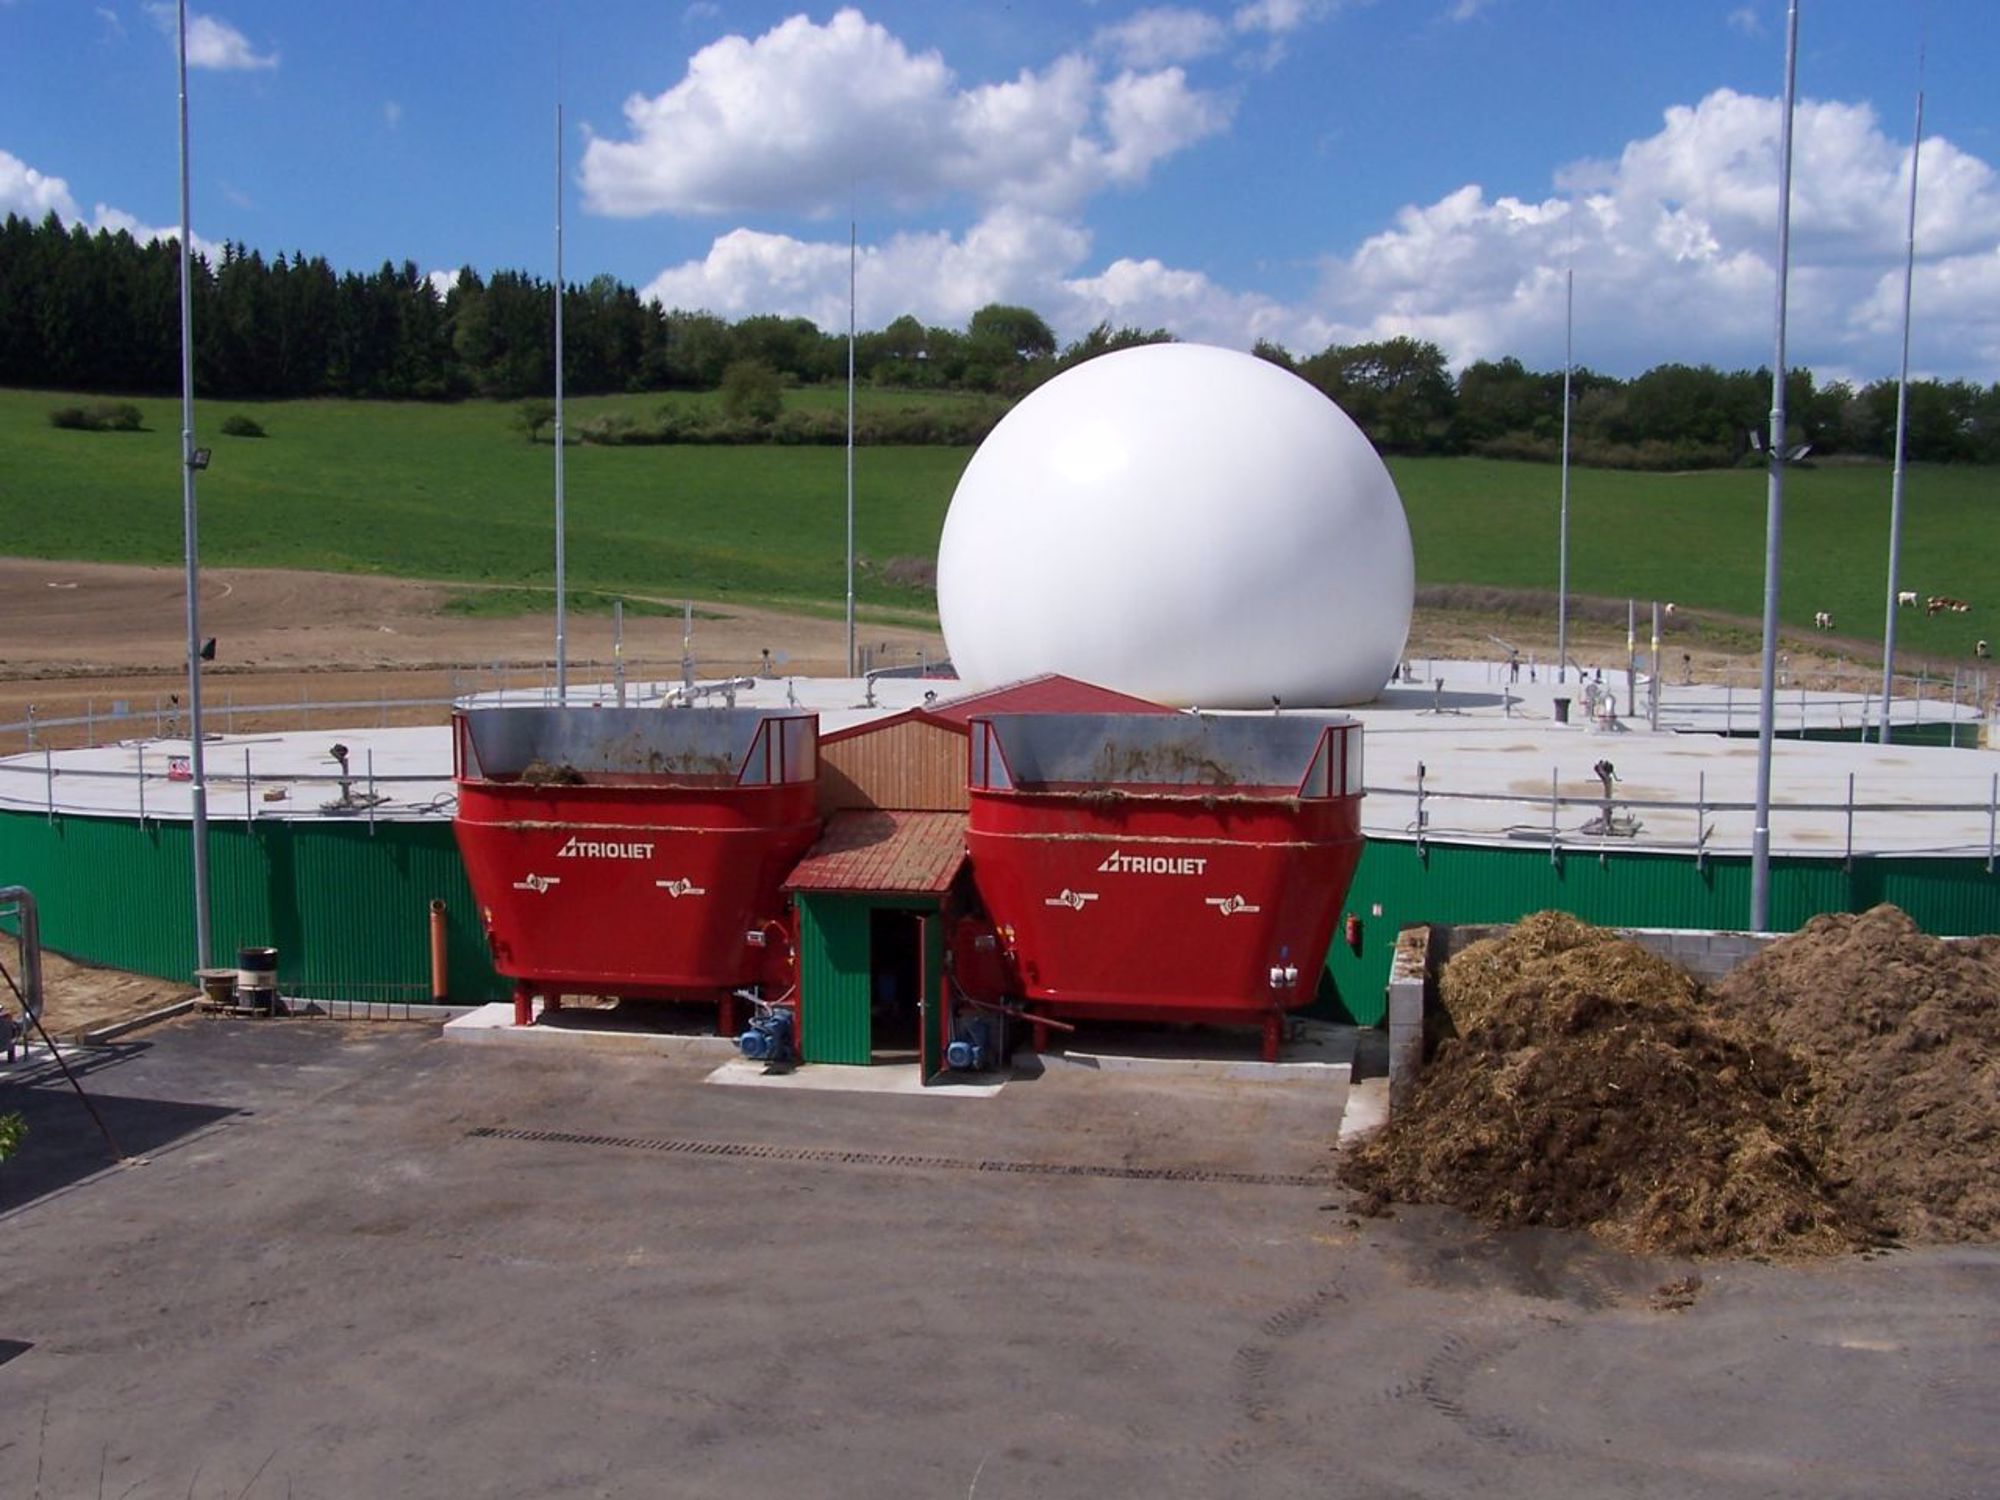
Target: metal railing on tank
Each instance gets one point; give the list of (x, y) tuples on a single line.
[(1607, 821)]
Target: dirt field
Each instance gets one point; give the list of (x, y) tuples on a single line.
[(74, 637), (81, 997)]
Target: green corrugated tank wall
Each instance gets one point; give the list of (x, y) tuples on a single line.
[(347, 904), (1459, 883)]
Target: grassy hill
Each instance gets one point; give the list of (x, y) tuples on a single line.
[(455, 492)]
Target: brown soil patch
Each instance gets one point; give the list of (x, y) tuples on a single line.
[(82, 997), (1468, 622), (1586, 1086), (1902, 1032), (75, 637)]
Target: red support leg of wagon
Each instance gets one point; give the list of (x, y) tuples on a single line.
[(524, 1004), (725, 1016), (1274, 1034)]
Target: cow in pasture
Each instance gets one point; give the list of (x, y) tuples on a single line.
[(1906, 599), (1823, 620), (1982, 650)]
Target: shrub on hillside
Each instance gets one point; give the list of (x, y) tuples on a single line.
[(532, 415), (611, 429), (101, 416), (750, 392), (957, 424), (239, 425)]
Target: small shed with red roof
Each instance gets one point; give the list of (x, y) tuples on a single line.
[(876, 894)]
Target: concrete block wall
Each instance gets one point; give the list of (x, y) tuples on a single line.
[(1410, 982), (1707, 955)]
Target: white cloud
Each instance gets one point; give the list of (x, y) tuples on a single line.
[(114, 220), (1275, 21), (31, 194), (1745, 20), (1672, 237), (35, 195), (392, 113), (443, 281), (213, 42), (1011, 255), (1149, 294), (1278, 16), (1160, 35), (1674, 250), (808, 118), (1465, 10)]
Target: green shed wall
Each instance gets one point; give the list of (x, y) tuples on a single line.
[(1458, 883), (833, 979), (837, 1018), (346, 905)]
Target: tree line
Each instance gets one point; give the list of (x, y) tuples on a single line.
[(99, 312)]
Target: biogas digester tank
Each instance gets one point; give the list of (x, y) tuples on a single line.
[(635, 852), (1165, 868)]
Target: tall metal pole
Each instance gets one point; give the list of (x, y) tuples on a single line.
[(1562, 543), (1774, 511), (198, 789), (1631, 658), (562, 581), (1902, 429), (851, 243)]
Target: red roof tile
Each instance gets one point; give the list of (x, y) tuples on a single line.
[(884, 852), (1050, 693)]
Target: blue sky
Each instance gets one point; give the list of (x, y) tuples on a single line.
[(1308, 171)]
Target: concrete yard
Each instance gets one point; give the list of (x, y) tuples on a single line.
[(357, 1261)]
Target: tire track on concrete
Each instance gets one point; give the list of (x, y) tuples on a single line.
[(1253, 1393)]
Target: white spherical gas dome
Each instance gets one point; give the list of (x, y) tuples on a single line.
[(1191, 524)]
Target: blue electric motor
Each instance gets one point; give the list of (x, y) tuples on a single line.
[(971, 1051), (768, 1038)]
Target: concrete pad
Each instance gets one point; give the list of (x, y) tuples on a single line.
[(1315, 1053), (1367, 1108), (904, 1079), (493, 1025), (322, 1261)]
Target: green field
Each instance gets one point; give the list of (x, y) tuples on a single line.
[(455, 492)]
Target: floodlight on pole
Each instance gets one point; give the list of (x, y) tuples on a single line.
[(852, 665), (1902, 427), (192, 458), (1562, 543), (1774, 510), (562, 582)]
